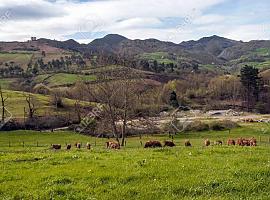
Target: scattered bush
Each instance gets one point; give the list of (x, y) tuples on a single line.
[(223, 125), (197, 126)]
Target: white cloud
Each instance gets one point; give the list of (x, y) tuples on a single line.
[(209, 19), (250, 32), (132, 18)]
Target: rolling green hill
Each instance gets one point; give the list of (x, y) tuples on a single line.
[(16, 103), (63, 79)]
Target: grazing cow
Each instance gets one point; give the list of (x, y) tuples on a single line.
[(207, 142), (240, 142), (169, 144), (112, 145), (231, 142), (218, 142), (56, 146), (152, 144), (246, 142), (78, 145), (88, 145), (187, 143), (253, 142), (68, 146)]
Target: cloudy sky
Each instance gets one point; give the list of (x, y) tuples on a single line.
[(167, 20)]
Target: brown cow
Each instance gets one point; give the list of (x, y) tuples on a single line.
[(187, 143), (207, 142), (169, 144), (152, 144), (112, 145), (68, 146), (88, 145), (231, 142), (246, 142), (240, 142), (253, 142), (56, 146)]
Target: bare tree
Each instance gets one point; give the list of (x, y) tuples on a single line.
[(118, 98), (31, 105), (3, 104)]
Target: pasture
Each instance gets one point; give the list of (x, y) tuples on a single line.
[(18, 58), (62, 79), (16, 103), (31, 170)]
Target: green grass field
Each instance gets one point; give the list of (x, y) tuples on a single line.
[(7, 82), (18, 58), (160, 57), (215, 172), (16, 103), (61, 79)]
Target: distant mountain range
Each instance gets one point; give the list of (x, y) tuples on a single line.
[(212, 50)]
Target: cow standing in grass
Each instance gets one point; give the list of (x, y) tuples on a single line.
[(88, 145), (187, 143), (152, 144), (56, 146), (231, 142), (68, 146), (78, 145), (253, 142), (169, 144), (207, 142), (218, 142), (112, 145)]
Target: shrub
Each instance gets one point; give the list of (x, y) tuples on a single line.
[(197, 126), (223, 125)]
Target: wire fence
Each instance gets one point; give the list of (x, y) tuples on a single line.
[(261, 141)]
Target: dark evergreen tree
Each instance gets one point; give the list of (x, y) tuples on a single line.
[(173, 100), (251, 82)]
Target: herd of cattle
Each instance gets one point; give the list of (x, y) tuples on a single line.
[(155, 144)]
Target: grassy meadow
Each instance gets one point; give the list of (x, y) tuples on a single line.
[(16, 103), (60, 79), (216, 172), (18, 58)]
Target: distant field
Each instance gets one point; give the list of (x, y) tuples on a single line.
[(160, 57), (16, 103), (60, 79), (6, 83), (18, 58), (216, 172)]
